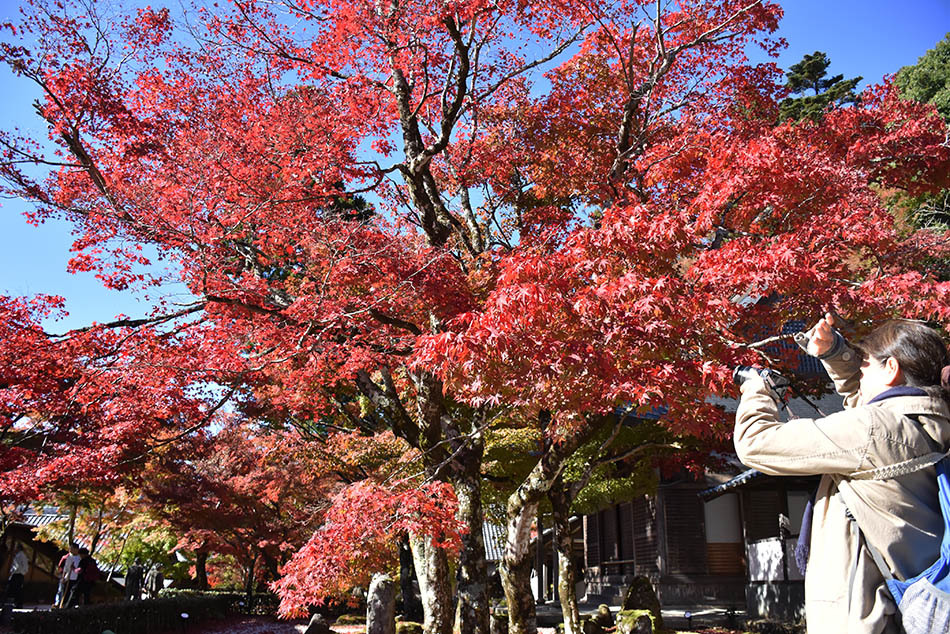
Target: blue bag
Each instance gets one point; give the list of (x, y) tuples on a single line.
[(922, 601)]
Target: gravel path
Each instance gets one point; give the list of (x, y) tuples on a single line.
[(260, 625), (263, 625)]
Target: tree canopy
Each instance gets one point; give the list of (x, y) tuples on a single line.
[(429, 221), (928, 80)]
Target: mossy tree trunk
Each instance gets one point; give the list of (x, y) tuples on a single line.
[(561, 501)]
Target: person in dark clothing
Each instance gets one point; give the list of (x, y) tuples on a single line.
[(133, 581)]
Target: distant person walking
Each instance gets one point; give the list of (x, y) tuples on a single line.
[(133, 581), (154, 581), (68, 571), (87, 576), (18, 570)]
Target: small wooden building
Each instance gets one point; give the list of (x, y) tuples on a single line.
[(771, 510), (691, 551)]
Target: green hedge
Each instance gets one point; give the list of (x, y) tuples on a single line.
[(151, 616), (263, 604)]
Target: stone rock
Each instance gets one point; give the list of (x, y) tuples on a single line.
[(603, 617), (381, 605), (499, 621), (318, 625), (634, 622), (640, 595), (599, 622), (408, 627), (588, 626)]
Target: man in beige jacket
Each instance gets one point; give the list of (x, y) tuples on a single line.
[(892, 414)]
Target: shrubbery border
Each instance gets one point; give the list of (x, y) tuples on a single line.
[(151, 616)]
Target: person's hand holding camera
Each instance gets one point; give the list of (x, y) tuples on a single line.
[(776, 383), (822, 337)]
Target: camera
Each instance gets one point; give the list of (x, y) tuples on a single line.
[(772, 379)]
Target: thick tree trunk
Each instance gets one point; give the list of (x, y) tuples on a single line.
[(521, 510), (450, 456), (473, 603), (201, 569), (432, 572), (516, 568), (249, 583), (271, 565), (561, 501), (71, 530), (411, 606), (381, 605)]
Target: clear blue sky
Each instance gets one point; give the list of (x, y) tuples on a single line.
[(871, 38)]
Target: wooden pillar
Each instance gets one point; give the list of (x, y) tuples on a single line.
[(619, 532), (743, 515), (31, 573), (783, 521), (554, 566), (600, 541), (539, 562), (661, 545)]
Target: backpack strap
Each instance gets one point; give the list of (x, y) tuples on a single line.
[(899, 469), (904, 467), (876, 556)]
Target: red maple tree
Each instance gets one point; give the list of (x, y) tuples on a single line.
[(567, 203), (256, 496)]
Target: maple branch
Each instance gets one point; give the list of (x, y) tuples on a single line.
[(254, 308), (756, 346), (626, 70), (450, 114), (637, 450), (189, 430), (79, 151), (577, 486), (133, 323), (357, 423), (395, 321), (438, 471), (279, 50), (387, 400), (534, 64), (31, 158), (709, 33), (659, 67), (766, 341)]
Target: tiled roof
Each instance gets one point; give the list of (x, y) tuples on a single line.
[(725, 487), (494, 536), (34, 519), (49, 515)]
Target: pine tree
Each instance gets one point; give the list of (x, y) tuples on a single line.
[(809, 75)]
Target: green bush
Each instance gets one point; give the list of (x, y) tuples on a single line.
[(263, 603), (627, 620), (140, 617), (408, 627)]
